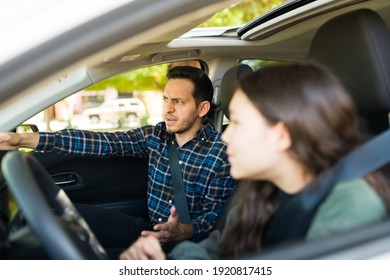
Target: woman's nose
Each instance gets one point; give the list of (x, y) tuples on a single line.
[(226, 134)]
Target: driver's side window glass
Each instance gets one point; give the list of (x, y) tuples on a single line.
[(122, 102)]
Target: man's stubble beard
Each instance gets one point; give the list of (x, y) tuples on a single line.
[(185, 126)]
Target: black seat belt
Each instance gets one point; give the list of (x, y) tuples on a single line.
[(293, 218), (178, 187)]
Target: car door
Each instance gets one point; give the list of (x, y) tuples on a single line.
[(117, 183)]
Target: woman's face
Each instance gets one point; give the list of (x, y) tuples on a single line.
[(254, 146)]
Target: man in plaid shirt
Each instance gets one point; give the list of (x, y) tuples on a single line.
[(202, 154)]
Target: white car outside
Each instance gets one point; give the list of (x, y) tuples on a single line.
[(116, 110)]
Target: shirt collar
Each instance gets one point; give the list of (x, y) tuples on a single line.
[(204, 133)]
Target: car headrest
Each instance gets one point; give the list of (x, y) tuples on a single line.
[(229, 84), (355, 47)]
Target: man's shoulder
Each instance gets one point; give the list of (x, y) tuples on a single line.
[(211, 133), (157, 129)]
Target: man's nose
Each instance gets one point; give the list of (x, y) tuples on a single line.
[(168, 107)]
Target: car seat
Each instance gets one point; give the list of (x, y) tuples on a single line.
[(229, 84), (355, 48)]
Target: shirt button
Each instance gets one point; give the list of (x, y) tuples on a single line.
[(159, 219), (170, 201), (202, 138), (180, 162)]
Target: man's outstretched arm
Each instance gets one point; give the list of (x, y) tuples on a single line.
[(13, 141)]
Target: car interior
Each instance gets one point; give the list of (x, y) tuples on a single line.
[(350, 38)]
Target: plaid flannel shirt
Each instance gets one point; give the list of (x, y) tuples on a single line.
[(204, 165)]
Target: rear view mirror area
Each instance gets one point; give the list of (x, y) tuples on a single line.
[(25, 128)]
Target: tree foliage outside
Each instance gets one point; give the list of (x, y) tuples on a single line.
[(149, 78), (153, 78)]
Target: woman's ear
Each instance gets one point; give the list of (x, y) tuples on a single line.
[(203, 108), (284, 139)]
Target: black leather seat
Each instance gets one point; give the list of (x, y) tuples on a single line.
[(228, 87), (355, 46), (229, 84)]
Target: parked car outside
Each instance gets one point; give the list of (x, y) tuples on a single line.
[(117, 110)]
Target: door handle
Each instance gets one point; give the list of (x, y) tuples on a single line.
[(68, 180)]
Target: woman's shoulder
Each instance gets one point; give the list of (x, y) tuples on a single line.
[(358, 192), (350, 205)]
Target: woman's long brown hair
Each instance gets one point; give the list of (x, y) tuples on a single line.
[(322, 122)]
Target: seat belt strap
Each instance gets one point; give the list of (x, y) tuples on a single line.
[(293, 218), (177, 183), (368, 157)]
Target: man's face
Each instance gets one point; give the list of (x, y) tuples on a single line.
[(179, 107)]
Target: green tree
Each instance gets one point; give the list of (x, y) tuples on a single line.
[(149, 78)]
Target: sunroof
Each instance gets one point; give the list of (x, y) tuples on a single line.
[(242, 13), (283, 8)]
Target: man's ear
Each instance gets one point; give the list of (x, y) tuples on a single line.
[(203, 108), (284, 141)]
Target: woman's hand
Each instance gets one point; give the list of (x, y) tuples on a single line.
[(145, 248)]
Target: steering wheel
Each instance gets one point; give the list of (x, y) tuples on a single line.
[(64, 234)]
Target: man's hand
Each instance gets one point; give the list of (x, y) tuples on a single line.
[(171, 230), (145, 248), (8, 141), (13, 141)]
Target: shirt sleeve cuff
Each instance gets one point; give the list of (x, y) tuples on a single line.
[(46, 141), (198, 232)]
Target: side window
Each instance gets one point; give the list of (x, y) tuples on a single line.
[(122, 102)]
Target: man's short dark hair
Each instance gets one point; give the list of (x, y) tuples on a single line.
[(203, 86)]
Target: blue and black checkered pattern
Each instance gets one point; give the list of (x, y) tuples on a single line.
[(204, 165)]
